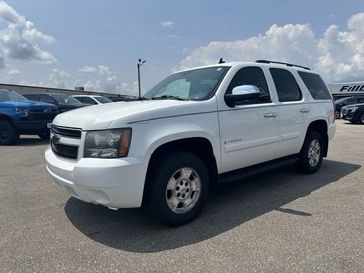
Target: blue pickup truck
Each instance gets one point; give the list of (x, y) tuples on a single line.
[(19, 116)]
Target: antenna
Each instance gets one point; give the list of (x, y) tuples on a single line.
[(221, 61)]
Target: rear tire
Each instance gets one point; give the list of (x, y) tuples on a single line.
[(311, 153), (8, 133), (178, 188)]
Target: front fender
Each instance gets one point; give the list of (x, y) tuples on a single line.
[(180, 135), (147, 137)]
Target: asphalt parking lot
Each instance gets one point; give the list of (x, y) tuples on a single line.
[(276, 222)]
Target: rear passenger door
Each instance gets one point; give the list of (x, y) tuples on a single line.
[(294, 111)]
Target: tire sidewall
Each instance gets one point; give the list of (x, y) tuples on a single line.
[(361, 118), (305, 166), (157, 199), (13, 134)]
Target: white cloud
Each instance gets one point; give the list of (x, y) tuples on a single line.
[(104, 80), (100, 70), (338, 55), (58, 78), (2, 61), (167, 24), (20, 39), (13, 72)]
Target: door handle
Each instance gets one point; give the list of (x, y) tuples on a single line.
[(304, 110), (270, 115)]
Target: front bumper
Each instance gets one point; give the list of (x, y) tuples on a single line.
[(24, 126), (352, 116), (114, 183), (331, 130)]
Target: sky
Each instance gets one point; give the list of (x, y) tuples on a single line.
[(96, 44)]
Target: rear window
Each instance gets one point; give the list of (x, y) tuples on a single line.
[(315, 85)]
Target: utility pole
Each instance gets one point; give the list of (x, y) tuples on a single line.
[(139, 64)]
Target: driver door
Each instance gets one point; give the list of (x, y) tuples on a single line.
[(249, 131)]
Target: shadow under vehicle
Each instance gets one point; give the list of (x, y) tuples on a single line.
[(231, 205)]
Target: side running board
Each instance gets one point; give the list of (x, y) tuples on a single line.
[(256, 169)]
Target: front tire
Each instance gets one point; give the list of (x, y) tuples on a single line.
[(179, 188), (8, 133), (337, 114), (311, 153), (361, 118)]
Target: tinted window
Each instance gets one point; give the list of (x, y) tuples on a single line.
[(286, 86), (47, 98), (251, 76), (360, 100), (86, 100), (102, 99), (349, 101), (315, 85), (64, 99), (6, 95)]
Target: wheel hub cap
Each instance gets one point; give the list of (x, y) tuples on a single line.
[(314, 153), (183, 190)]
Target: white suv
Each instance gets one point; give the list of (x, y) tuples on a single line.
[(194, 129)]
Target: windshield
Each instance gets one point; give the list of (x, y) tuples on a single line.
[(64, 99), (198, 84), (103, 99), (6, 95), (342, 100)]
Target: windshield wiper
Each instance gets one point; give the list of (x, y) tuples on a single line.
[(142, 98), (168, 97)]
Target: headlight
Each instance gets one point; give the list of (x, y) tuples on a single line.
[(23, 112), (353, 109), (107, 144)]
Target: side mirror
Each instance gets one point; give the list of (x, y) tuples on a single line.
[(242, 93)]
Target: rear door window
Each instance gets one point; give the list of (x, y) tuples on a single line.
[(315, 86), (286, 85)]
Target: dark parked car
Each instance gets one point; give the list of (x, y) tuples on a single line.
[(19, 116), (346, 101), (64, 102), (353, 113)]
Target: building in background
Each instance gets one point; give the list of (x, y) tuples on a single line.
[(347, 89), (25, 89)]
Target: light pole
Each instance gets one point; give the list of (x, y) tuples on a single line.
[(139, 64)]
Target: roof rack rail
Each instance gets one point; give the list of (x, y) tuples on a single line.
[(287, 64)]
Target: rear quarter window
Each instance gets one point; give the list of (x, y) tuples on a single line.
[(315, 86)]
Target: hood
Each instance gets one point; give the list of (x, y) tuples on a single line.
[(120, 114), (36, 105), (352, 105)]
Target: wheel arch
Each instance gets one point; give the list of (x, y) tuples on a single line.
[(5, 117), (198, 145), (320, 126)]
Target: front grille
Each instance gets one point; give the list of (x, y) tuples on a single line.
[(65, 150), (69, 151), (67, 132), (41, 116)]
